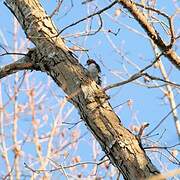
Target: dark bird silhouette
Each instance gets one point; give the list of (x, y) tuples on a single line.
[(94, 71)]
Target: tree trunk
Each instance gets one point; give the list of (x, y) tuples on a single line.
[(53, 56)]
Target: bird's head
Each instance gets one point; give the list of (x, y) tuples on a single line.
[(90, 61)]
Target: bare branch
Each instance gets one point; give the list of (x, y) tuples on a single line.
[(142, 128), (91, 15), (10, 53), (60, 167), (152, 9), (28, 62), (162, 80), (151, 31), (57, 8), (87, 1), (14, 67), (133, 77), (162, 147), (161, 121)]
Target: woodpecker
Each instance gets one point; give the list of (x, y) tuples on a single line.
[(94, 71)]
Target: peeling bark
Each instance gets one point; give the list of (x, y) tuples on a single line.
[(53, 56)]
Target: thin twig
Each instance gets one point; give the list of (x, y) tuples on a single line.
[(161, 147), (142, 128), (133, 77), (57, 8), (72, 124), (12, 53), (161, 121), (91, 15), (60, 167), (152, 9), (159, 79)]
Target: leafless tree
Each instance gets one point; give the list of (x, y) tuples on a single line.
[(51, 55)]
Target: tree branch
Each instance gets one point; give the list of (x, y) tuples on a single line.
[(151, 31), (24, 63), (14, 67)]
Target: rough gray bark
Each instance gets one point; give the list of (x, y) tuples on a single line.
[(53, 56)]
